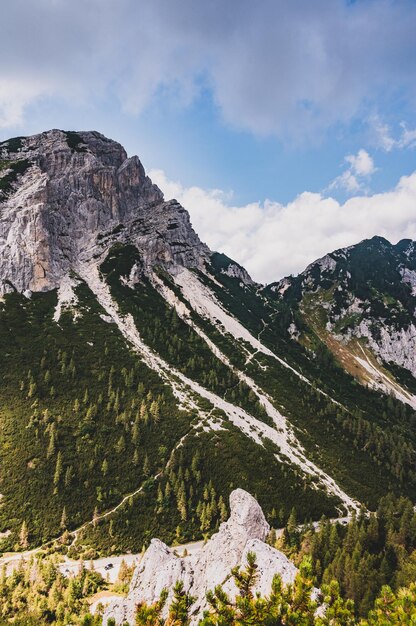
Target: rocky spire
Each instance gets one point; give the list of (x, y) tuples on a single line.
[(245, 531)]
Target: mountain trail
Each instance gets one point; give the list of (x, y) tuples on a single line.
[(281, 436)]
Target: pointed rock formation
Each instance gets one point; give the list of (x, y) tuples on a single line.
[(245, 531)]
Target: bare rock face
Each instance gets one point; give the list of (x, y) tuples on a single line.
[(66, 198), (245, 531)]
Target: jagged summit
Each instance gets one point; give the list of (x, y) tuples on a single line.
[(81, 142), (68, 197)]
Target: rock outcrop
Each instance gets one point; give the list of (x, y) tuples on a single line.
[(245, 531), (67, 198)]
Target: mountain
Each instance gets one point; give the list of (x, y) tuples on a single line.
[(78, 195), (145, 377), (361, 302)]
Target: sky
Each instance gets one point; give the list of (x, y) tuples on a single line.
[(287, 128)]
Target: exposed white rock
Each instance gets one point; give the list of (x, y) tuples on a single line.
[(245, 531), (394, 345), (282, 286), (326, 264), (409, 277), (236, 271), (72, 205), (389, 342), (203, 300), (67, 297), (293, 331), (380, 381)]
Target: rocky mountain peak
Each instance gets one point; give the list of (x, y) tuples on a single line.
[(68, 197), (362, 297), (45, 146), (245, 531)]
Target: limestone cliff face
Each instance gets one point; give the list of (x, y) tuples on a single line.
[(245, 531), (66, 198)]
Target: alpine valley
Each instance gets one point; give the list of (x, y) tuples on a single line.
[(144, 377)]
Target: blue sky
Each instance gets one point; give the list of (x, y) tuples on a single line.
[(264, 102)]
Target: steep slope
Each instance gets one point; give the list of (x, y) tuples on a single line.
[(367, 293), (321, 400), (144, 377), (94, 404), (67, 197)]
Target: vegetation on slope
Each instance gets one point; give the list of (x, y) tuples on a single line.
[(9, 173), (76, 432), (365, 439), (368, 553), (75, 141), (83, 433), (83, 423), (38, 593), (177, 342), (189, 499)]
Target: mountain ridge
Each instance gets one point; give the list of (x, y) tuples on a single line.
[(160, 369), (377, 305)]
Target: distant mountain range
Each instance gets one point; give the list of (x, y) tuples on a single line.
[(144, 377)]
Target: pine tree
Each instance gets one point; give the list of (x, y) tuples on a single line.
[(51, 447), (246, 579), (159, 499), (69, 474), (32, 390), (104, 467), (58, 470), (63, 523), (182, 507), (155, 411), (272, 537), (120, 445), (135, 433), (95, 518), (180, 607), (152, 615), (146, 466), (24, 536)]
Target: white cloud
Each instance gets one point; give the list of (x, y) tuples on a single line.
[(361, 166), (361, 163), (273, 240), (382, 133), (408, 137), (385, 139), (14, 95), (347, 181), (278, 67)]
